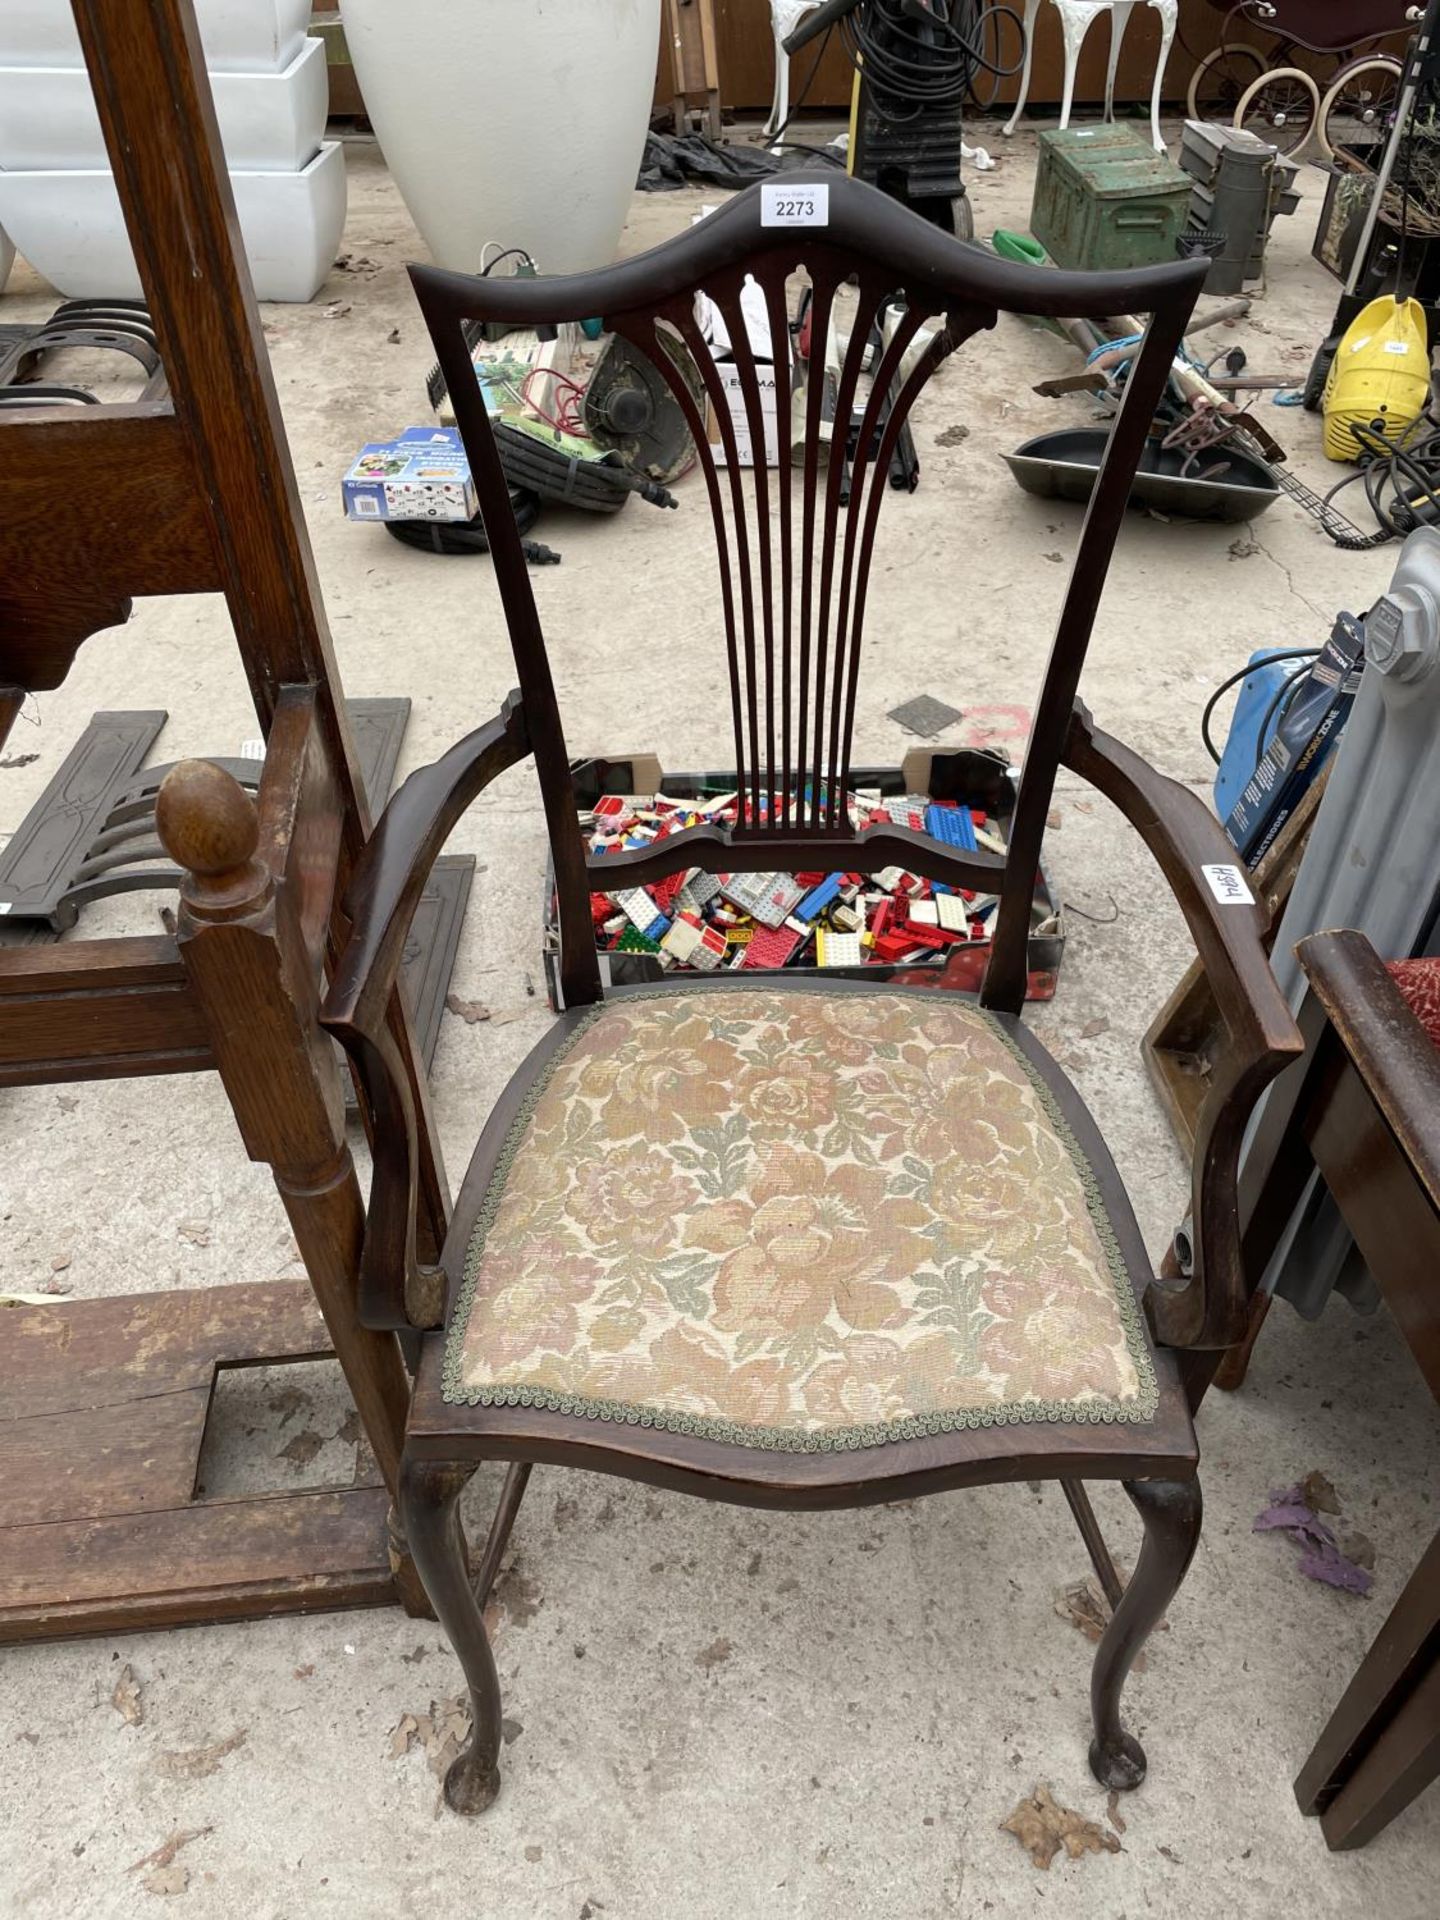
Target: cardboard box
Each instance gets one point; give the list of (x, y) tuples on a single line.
[(756, 314), (740, 418), (424, 475)]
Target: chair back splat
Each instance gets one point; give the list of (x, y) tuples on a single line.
[(793, 585)]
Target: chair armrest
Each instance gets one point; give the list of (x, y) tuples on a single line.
[(1210, 1307), (1384, 1041), (380, 902)]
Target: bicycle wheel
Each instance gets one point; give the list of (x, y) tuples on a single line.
[(1221, 77), (1358, 104), (1281, 107)]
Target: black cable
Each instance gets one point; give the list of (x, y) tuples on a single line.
[(908, 63), (510, 253), (1290, 653), (1401, 481), (461, 536)]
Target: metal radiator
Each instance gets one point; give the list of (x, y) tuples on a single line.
[(1372, 862)]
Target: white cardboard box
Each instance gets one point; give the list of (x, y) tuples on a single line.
[(740, 418)]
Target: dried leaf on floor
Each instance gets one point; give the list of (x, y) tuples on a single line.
[(167, 1880), (197, 1232), (59, 1262), (165, 1853), (301, 1448), (288, 1402), (1317, 1491), (197, 1763), (1084, 1605), (952, 436), (1043, 1828), (470, 1011), (440, 1733), (392, 339), (1242, 548), (520, 1596), (1113, 1813), (1358, 1547), (1092, 1029), (444, 1731), (304, 1673), (126, 1697), (715, 1655)]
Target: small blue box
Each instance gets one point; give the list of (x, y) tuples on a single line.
[(424, 475)]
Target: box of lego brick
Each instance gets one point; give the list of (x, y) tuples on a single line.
[(888, 925), (424, 475)]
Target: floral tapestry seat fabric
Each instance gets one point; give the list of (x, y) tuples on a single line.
[(803, 1220)]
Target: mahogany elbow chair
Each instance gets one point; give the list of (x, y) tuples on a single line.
[(807, 1242)]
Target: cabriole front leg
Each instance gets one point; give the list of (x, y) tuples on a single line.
[(430, 1509), (1170, 1510)]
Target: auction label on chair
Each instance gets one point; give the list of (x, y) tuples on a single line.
[(1229, 886), (794, 206)]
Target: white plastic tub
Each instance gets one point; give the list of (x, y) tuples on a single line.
[(239, 36), (69, 227), (269, 122)]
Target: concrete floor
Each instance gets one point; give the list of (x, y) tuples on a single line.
[(716, 1713)]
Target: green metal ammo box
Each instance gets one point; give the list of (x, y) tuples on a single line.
[(1105, 198)]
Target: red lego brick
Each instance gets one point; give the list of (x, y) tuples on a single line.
[(770, 947)]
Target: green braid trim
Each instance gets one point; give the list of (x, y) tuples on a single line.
[(1096, 1412)]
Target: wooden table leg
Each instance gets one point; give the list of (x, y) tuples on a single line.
[(1404, 1649), (1401, 1764)]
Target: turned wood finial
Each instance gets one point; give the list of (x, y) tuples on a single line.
[(208, 825)]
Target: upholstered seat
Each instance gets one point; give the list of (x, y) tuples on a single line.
[(797, 1219)]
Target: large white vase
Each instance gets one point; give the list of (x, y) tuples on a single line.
[(518, 121)]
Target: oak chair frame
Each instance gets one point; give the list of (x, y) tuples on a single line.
[(793, 655), (103, 1403)]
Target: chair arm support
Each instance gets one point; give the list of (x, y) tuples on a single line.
[(1209, 1309), (384, 891), (1384, 1041)]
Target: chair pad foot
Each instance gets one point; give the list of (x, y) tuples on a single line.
[(469, 1788), (1118, 1762)]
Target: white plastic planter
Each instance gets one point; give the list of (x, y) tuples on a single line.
[(519, 121), (69, 227), (239, 36), (269, 122)]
